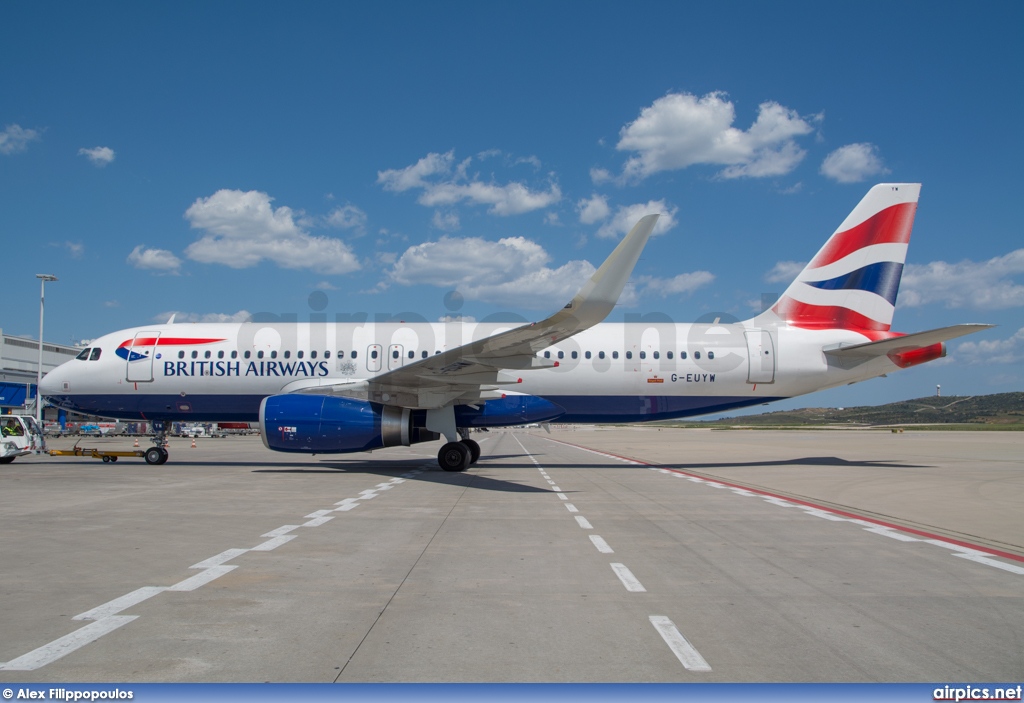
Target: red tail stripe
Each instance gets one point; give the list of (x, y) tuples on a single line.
[(824, 317), (890, 226)]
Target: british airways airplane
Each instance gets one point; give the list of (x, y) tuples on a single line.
[(322, 387)]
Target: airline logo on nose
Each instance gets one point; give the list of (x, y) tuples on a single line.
[(127, 349)]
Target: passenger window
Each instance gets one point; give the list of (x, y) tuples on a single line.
[(84, 354), (287, 355), (423, 354), (181, 354), (696, 355), (629, 355), (300, 354), (208, 354), (561, 355), (575, 355), (682, 355), (586, 354), (643, 355), (547, 355), (273, 354), (220, 354), (668, 354), (327, 354), (412, 354), (195, 354), (657, 355), (96, 354), (312, 354), (615, 355), (354, 355), (394, 354), (600, 355), (234, 353), (247, 354), (711, 355), (259, 354), (373, 354)]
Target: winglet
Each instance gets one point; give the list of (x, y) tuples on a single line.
[(598, 296)]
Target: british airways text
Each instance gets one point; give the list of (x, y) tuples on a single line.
[(253, 368)]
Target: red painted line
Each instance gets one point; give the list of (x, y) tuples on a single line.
[(881, 523)]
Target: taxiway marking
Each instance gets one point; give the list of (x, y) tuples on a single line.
[(685, 652)]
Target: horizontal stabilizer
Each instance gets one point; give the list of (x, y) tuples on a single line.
[(869, 350)]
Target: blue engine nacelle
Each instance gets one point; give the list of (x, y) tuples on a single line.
[(314, 424)]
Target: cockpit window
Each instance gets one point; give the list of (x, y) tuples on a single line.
[(96, 351), (84, 354)]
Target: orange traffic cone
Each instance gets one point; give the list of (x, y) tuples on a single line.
[(136, 441), (193, 442)]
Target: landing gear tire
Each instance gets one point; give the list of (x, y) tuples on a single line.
[(163, 454), (454, 456), (474, 450), (155, 455)]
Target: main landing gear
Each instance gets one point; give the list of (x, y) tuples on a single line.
[(457, 456)]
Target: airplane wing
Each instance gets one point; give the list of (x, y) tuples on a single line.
[(849, 355), (478, 370)]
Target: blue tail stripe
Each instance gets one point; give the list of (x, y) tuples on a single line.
[(882, 279)]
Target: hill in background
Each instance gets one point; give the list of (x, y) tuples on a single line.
[(998, 411)]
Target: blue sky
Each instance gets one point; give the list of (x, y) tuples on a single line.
[(228, 158)]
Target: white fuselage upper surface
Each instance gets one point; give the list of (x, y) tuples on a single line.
[(611, 372)]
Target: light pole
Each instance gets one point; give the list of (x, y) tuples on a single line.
[(43, 278)]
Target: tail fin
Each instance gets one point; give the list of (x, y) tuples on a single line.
[(852, 282)]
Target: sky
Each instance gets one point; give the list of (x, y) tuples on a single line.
[(222, 159)]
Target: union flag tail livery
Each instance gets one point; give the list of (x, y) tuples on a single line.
[(852, 282), (321, 388)]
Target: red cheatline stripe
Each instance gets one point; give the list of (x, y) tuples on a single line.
[(881, 523), (890, 226), (167, 341)]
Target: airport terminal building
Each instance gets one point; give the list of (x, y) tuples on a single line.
[(19, 363)]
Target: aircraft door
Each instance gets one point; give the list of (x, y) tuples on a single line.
[(141, 355), (374, 352), (761, 353), (395, 358)]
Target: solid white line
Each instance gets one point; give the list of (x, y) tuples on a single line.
[(779, 502), (601, 545), (992, 562), (67, 644), (282, 530), (685, 652), (584, 523), (630, 581), (226, 555), (571, 508), (273, 543), (824, 514), (316, 522), (118, 604), (202, 578), (887, 532)]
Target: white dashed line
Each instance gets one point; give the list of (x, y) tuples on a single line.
[(282, 530), (571, 508), (316, 522), (346, 507), (319, 513), (992, 562), (68, 643), (630, 581), (118, 604), (685, 652), (203, 578), (274, 543), (562, 496), (584, 523), (601, 545), (226, 555)]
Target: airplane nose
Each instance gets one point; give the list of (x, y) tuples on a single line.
[(51, 384)]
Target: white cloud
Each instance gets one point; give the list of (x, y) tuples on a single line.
[(243, 229), (100, 156), (511, 271), (994, 351), (785, 271), (683, 284), (985, 285), (445, 183), (853, 163), (240, 316), (446, 221), (15, 138), (347, 217), (600, 175), (593, 209), (681, 130), (627, 215), (154, 260)]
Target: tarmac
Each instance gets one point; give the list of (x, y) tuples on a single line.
[(583, 555)]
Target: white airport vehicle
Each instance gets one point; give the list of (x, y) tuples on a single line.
[(350, 387), (20, 436)]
